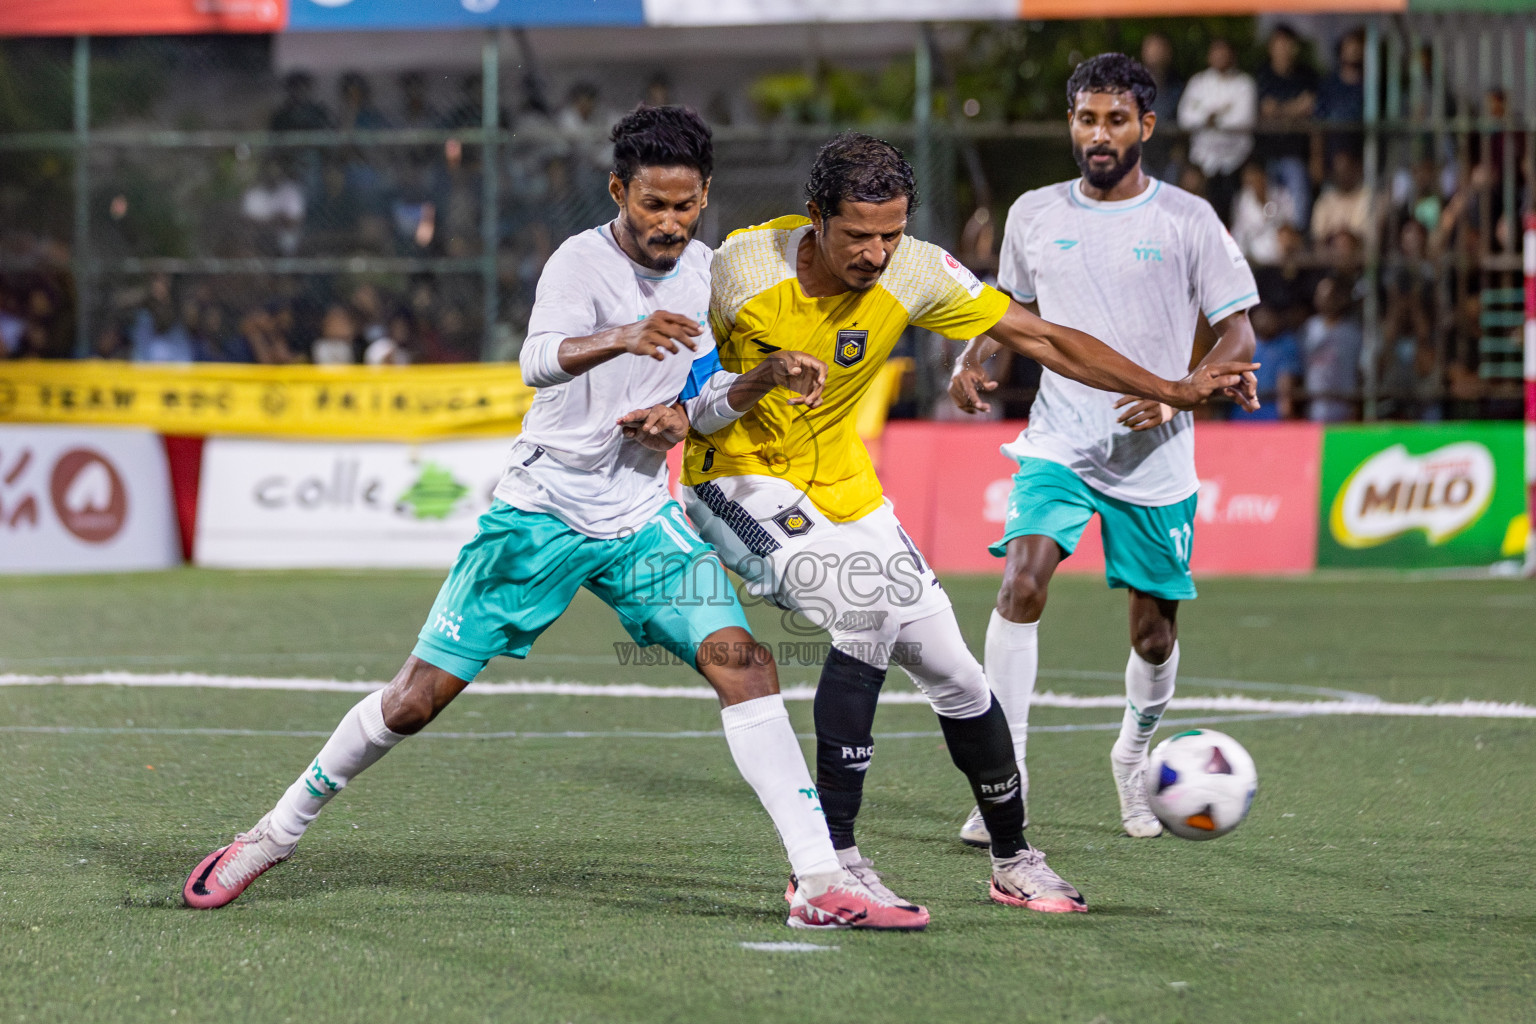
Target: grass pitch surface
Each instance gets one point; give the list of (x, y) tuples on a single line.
[(1383, 875)]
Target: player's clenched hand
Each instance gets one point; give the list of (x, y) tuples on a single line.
[(659, 427), (659, 334), (966, 386), (1246, 394), (1143, 413), (1205, 381), (803, 374)]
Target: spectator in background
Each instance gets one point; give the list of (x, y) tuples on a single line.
[(336, 345), (1409, 282), (368, 317), (417, 113), (658, 91), (395, 346), (1287, 90), (468, 111), (273, 208), (299, 112), (1280, 368), (586, 126), (416, 110), (336, 215), (356, 109), (1341, 99), (1332, 343), (158, 333), (1261, 207), (1345, 202), (1424, 202), (13, 326), (1192, 180), (261, 334), (1219, 108), (1157, 152)]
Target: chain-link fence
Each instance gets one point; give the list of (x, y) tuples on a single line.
[(170, 198)]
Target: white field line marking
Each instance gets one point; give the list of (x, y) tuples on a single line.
[(549, 687), (681, 734), (788, 947)]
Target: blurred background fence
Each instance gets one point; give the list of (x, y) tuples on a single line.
[(383, 196)]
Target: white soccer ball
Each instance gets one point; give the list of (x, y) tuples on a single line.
[(1201, 783)]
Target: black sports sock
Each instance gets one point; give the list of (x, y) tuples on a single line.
[(845, 742), (982, 748)]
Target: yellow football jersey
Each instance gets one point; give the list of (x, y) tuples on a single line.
[(757, 306)]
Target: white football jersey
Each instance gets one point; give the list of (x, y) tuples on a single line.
[(572, 460), (1136, 274)]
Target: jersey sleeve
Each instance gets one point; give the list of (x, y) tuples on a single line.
[(1220, 275), (706, 363), (1014, 275), (941, 295), (563, 307)]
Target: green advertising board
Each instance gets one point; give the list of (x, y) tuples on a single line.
[(1419, 496)]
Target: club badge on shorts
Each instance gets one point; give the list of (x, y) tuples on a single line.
[(850, 347), (794, 522)]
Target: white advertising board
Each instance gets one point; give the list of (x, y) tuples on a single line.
[(84, 499), (342, 504)]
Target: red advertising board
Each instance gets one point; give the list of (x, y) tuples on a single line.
[(1258, 495), (139, 17)]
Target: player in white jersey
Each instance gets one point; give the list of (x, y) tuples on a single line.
[(623, 365), (1135, 262)]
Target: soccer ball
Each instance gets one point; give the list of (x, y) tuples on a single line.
[(1201, 783)]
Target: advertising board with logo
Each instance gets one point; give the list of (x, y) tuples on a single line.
[(1258, 495), (83, 500), (329, 504), (1422, 495)]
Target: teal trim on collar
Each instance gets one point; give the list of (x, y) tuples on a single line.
[(1082, 202)]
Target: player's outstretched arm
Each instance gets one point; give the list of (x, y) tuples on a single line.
[(1089, 361), (1234, 343), (657, 336), (968, 381)]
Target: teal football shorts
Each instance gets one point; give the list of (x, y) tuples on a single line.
[(1146, 547), (521, 571)]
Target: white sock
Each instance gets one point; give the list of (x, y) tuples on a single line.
[(768, 756), (1013, 662), (360, 740), (1148, 689)]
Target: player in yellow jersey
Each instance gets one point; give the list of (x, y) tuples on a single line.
[(789, 496)]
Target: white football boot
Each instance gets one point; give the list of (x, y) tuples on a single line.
[(1135, 813), (1025, 880)]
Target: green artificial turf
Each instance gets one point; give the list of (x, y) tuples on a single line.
[(1384, 874)]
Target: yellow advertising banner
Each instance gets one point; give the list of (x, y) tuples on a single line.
[(402, 403), (384, 403)]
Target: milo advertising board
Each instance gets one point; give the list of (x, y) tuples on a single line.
[(1422, 495)]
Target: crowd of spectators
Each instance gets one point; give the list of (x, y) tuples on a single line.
[(1279, 152), (1276, 144), (342, 199)]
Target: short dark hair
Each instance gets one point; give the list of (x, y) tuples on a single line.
[(859, 168), (1113, 72), (661, 137)]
